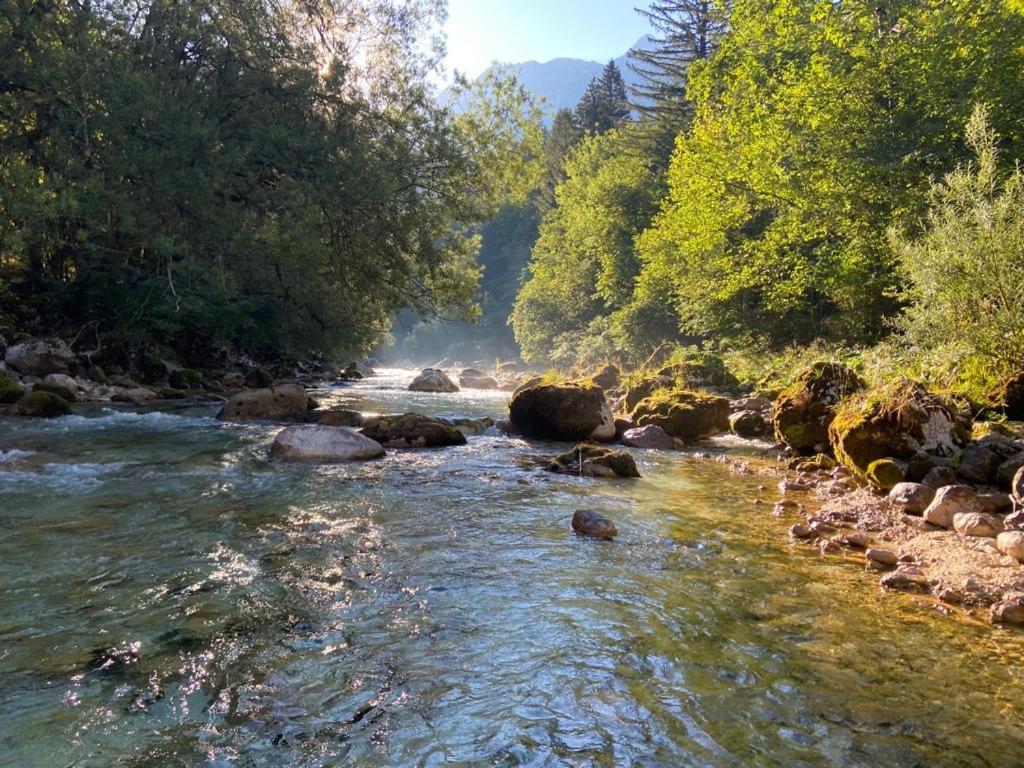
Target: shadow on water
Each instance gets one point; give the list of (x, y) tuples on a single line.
[(173, 597)]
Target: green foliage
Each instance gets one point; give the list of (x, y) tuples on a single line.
[(604, 105), (966, 271)]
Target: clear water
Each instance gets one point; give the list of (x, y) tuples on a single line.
[(169, 596)]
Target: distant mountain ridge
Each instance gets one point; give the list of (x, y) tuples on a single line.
[(562, 81)]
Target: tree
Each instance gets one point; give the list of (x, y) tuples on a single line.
[(563, 135), (965, 297), (604, 104)]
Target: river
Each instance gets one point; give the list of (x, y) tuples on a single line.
[(173, 597)]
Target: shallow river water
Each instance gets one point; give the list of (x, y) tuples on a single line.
[(170, 596)]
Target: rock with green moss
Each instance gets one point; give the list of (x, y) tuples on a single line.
[(701, 369), (607, 376), (172, 393), (641, 390), (565, 411), (42, 404), (10, 390), (97, 374), (894, 421), (684, 413), (884, 474), (594, 461), (55, 389), (803, 412), (184, 378), (412, 430)]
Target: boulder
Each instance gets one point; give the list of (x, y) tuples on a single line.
[(951, 501), (594, 461), (644, 389), (748, 423), (800, 531), (995, 503), (911, 498), (61, 380), (587, 522), (885, 557), (1017, 490), (474, 426), (566, 411), (432, 380), (259, 378), (937, 477), (752, 403), (700, 369), (976, 464), (184, 378), (287, 400), (42, 404), (905, 580), (1011, 543), (606, 430), (135, 395), (884, 474), (340, 417), (651, 436), (233, 380), (412, 430), (977, 524), (10, 390), (1009, 611), (55, 389), (895, 421), (803, 412), (684, 414), (607, 376), (481, 381), (318, 442), (38, 357), (1007, 469)]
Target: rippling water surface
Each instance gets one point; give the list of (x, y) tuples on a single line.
[(172, 597)]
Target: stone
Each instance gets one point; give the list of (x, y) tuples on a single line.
[(10, 390), (61, 380), (594, 461), (259, 378), (802, 413), (55, 389), (233, 380), (42, 404), (1017, 490), (567, 411), (977, 464), (949, 502), (685, 414), (1006, 470), (905, 580), (474, 426), (748, 423), (1009, 611), (607, 377), (977, 524), (1011, 543), (605, 431), (285, 401), (134, 395), (938, 477), (911, 498), (340, 417), (995, 503), (752, 403), (38, 357), (643, 389), (885, 474), (432, 380), (855, 540), (587, 522), (481, 381), (651, 436), (800, 531), (317, 442), (895, 421), (412, 430), (884, 557)]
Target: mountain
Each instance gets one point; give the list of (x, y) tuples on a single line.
[(562, 81)]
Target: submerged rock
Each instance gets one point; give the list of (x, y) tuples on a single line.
[(341, 417), (38, 357), (42, 404), (432, 380), (317, 442), (595, 461), (803, 412), (412, 430), (684, 414), (287, 400), (566, 411), (587, 522), (651, 436), (476, 379)]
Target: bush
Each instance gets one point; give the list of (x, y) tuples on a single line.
[(966, 272)]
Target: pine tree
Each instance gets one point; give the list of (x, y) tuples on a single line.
[(605, 103), (563, 135)]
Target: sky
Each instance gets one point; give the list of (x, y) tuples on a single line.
[(482, 31)]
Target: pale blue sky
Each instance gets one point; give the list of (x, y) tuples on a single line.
[(482, 31)]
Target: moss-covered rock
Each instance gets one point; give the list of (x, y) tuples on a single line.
[(885, 473), (184, 378), (42, 404), (566, 411), (412, 430), (55, 389), (894, 421), (684, 413), (595, 461), (701, 369), (641, 390), (803, 412), (607, 376), (10, 390), (172, 393), (97, 374)]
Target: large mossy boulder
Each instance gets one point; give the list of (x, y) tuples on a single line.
[(56, 389), (285, 401), (895, 421), (700, 369), (566, 411), (607, 376), (38, 357), (803, 412), (42, 404), (10, 390), (684, 413), (433, 380), (644, 388), (594, 461), (412, 430)]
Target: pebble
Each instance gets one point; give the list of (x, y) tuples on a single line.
[(800, 531)]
